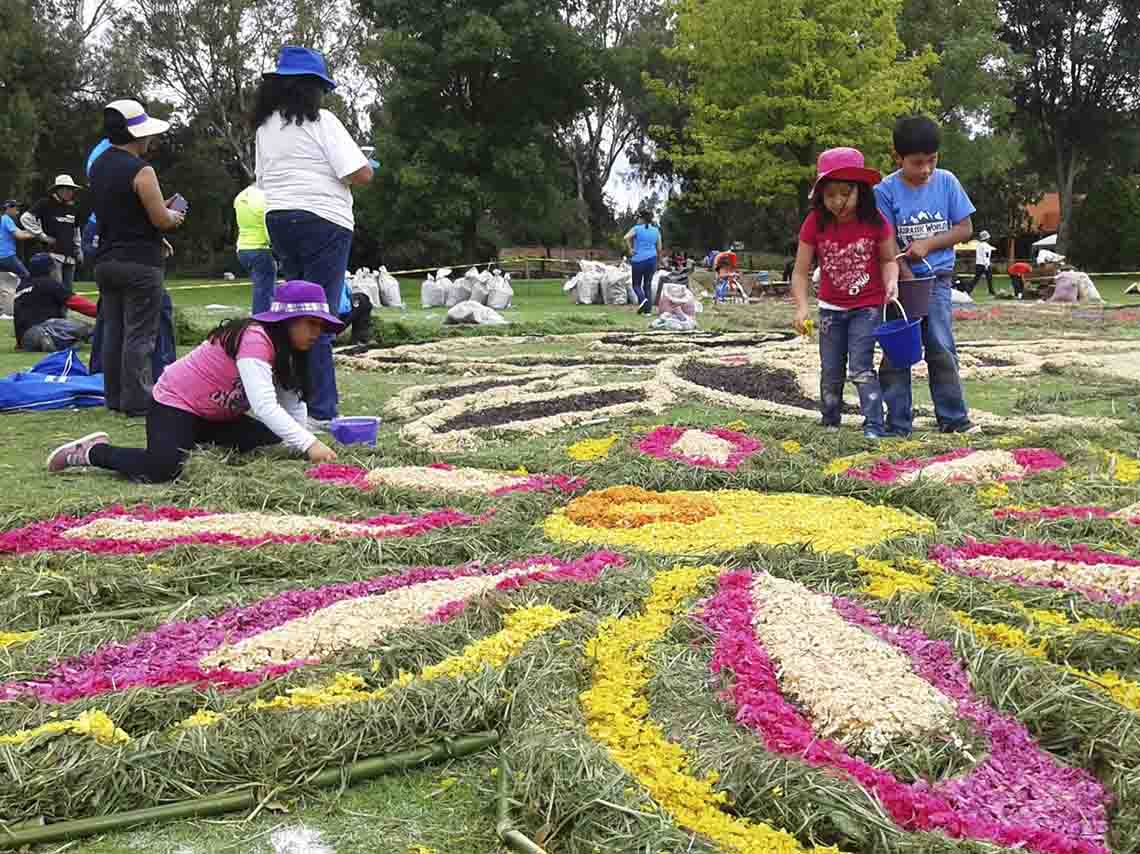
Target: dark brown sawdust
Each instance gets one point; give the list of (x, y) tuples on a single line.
[(778, 385), (532, 409)]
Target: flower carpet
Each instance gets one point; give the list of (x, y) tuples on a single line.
[(697, 622)]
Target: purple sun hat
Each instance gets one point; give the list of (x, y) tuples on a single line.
[(300, 299)]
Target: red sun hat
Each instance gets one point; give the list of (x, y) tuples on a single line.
[(843, 164)]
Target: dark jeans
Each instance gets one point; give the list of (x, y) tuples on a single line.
[(13, 264), (980, 271), (1018, 285), (316, 250), (643, 279), (165, 346), (942, 368), (262, 269), (170, 435), (131, 302), (847, 351)]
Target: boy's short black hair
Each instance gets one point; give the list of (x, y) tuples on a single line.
[(916, 135)]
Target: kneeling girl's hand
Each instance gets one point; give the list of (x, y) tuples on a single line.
[(319, 452)]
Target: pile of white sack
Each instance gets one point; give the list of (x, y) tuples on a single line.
[(491, 288), (597, 283), (379, 286)]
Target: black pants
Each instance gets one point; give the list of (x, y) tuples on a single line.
[(979, 271), (131, 298), (359, 318), (170, 435), (1018, 285)]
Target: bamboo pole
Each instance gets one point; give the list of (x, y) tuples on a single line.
[(513, 839), (364, 769), (120, 613)]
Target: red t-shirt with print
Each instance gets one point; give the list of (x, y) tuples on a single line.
[(850, 275)]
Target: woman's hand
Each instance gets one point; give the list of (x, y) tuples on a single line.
[(319, 452), (175, 219), (801, 321)]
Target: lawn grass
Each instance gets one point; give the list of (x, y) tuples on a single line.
[(447, 809)]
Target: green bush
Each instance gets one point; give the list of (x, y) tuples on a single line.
[(1106, 226)]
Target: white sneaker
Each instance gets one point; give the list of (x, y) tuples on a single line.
[(76, 453)]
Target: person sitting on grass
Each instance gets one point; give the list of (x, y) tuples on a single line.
[(40, 310), (255, 365), (858, 275)]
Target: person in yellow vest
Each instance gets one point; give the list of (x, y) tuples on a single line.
[(253, 249)]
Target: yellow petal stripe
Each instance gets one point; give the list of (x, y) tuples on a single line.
[(884, 580), (13, 638), (519, 627), (94, 723), (700, 522), (617, 717)]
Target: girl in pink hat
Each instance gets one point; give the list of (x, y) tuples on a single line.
[(254, 366), (855, 248)]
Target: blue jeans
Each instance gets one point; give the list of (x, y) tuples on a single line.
[(847, 351), (315, 250), (942, 369), (262, 269), (13, 264), (643, 278)]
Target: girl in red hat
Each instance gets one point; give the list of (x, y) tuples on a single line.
[(855, 248)]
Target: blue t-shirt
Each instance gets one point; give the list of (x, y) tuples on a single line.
[(645, 239), (8, 230), (916, 213)]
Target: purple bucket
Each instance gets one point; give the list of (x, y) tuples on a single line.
[(358, 430)]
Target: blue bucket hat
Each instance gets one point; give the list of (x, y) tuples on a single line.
[(294, 61)]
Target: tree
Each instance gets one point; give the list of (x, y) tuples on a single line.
[(1106, 225), (1077, 84), (625, 37), (211, 53), (773, 82), (465, 136)]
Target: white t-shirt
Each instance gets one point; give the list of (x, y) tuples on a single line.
[(300, 167), (982, 253)]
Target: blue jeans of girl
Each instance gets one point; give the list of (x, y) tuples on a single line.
[(847, 351)]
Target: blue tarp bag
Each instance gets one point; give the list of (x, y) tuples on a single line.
[(58, 381)]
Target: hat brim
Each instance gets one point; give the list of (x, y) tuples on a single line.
[(151, 127), (332, 323), (289, 73), (71, 186), (859, 174)]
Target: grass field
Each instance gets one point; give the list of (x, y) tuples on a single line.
[(448, 808)]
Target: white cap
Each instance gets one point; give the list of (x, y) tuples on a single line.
[(65, 181), (138, 122), (985, 235)]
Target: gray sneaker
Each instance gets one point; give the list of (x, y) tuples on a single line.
[(76, 453), (318, 425)]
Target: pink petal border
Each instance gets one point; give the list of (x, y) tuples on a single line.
[(357, 477), (884, 471), (659, 443), (51, 534), (989, 803), (169, 654)]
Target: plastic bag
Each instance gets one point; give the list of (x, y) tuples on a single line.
[(432, 293), (674, 322), (363, 281), (500, 294), (389, 290), (457, 292), (617, 283), (470, 311), (589, 288)]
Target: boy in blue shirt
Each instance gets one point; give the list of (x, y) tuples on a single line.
[(930, 213), (10, 232)]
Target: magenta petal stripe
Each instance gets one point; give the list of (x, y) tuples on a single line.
[(1051, 808)]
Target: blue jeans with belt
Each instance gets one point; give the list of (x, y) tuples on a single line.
[(941, 366), (315, 250), (13, 264), (262, 269)]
